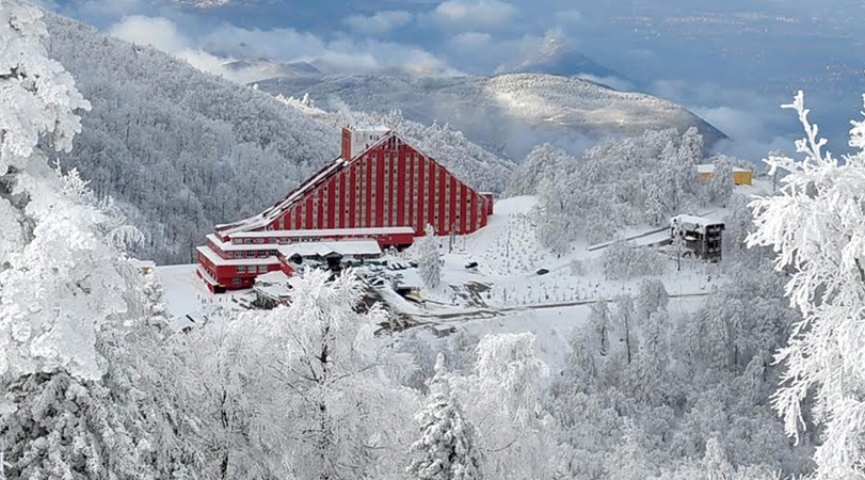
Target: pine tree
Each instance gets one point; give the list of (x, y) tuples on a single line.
[(429, 265), (446, 449)]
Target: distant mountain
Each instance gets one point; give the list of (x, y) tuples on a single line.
[(268, 69), (508, 114), (183, 150), (556, 56)]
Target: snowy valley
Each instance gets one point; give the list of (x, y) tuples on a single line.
[(422, 307)]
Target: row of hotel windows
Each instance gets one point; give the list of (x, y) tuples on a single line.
[(298, 216), (252, 269), (250, 254), (280, 241)]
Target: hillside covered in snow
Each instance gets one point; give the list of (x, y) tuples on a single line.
[(183, 150), (508, 114)]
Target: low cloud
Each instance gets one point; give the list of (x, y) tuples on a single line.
[(341, 55), (470, 41), (474, 14), (157, 32), (754, 123), (380, 23), (163, 34)]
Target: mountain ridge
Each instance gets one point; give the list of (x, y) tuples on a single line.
[(508, 113)]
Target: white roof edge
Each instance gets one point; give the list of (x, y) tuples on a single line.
[(710, 167), (695, 220), (324, 232), (230, 247), (239, 262)]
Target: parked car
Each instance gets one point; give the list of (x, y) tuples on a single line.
[(542, 271)]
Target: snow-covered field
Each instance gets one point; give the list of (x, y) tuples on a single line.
[(518, 299)]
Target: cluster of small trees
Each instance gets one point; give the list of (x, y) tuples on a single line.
[(645, 179)]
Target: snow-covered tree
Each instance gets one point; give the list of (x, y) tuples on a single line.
[(625, 318), (508, 371), (720, 185), (600, 320), (621, 260), (244, 428), (542, 163), (342, 405), (446, 449), (89, 388), (679, 244), (816, 225), (656, 209), (38, 98), (651, 298), (429, 264)]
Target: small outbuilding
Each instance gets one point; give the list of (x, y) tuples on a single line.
[(701, 235), (741, 176)]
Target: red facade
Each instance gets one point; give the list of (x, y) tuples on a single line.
[(379, 183)]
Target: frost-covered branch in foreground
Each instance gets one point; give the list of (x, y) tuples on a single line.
[(816, 225)]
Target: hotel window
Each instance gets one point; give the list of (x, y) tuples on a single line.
[(241, 269), (236, 281), (262, 269)]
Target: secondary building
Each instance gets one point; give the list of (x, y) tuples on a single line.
[(380, 188), (741, 176), (702, 236)]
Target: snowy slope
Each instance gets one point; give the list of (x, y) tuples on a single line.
[(508, 113), (184, 150), (518, 299)]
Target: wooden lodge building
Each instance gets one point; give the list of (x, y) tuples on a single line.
[(380, 188)]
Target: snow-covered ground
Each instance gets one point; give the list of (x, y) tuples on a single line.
[(510, 295), (184, 293)]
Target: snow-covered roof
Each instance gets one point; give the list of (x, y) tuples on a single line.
[(323, 233), (710, 168), (356, 247), (693, 220), (275, 292), (370, 128), (142, 263), (306, 249), (222, 262), (230, 247), (276, 277), (321, 249)]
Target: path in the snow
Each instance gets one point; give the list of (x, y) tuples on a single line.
[(495, 312)]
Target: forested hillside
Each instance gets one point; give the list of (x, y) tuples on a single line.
[(467, 160), (183, 150), (186, 148)]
